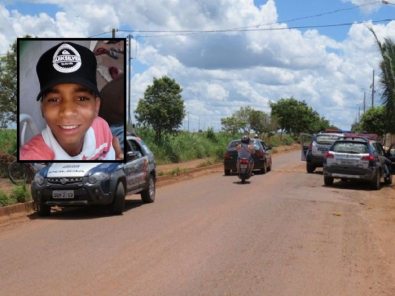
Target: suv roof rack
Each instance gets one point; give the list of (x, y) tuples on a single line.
[(363, 135), (352, 138)]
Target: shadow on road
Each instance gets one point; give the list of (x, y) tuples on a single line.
[(352, 185), (84, 213)]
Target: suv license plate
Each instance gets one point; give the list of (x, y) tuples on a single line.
[(63, 194)]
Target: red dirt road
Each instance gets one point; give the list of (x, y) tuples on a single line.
[(283, 233)]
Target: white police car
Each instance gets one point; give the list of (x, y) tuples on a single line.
[(83, 184)]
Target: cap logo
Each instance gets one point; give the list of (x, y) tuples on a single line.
[(66, 59)]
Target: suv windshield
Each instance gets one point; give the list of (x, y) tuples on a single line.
[(350, 147), (327, 138)]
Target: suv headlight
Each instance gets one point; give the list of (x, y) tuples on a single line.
[(98, 177), (39, 179)]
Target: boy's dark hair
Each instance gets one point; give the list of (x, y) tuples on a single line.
[(50, 89), (67, 62)]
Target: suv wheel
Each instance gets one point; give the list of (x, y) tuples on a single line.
[(43, 210), (227, 172), (388, 180), (264, 169), (310, 168), (376, 182), (148, 195), (118, 204), (269, 168), (328, 181)]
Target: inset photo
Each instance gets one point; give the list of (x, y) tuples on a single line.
[(71, 99)]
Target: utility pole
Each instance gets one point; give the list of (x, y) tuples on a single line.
[(373, 90), (113, 33), (130, 126), (188, 122), (364, 101)]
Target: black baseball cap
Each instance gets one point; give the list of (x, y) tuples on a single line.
[(67, 62)]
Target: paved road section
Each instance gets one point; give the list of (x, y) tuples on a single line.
[(283, 233)]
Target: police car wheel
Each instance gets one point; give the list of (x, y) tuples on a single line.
[(328, 181), (310, 168), (148, 195), (118, 204), (388, 180), (43, 210), (376, 182)]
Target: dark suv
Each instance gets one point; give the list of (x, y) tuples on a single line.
[(84, 184), (356, 157), (314, 153)]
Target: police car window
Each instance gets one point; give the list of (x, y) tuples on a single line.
[(145, 148), (379, 149), (326, 138), (137, 149), (350, 147), (374, 150), (128, 148)]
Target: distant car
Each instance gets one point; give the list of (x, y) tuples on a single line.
[(84, 184), (262, 156), (354, 157), (314, 153)]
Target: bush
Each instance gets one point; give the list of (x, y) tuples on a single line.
[(3, 170), (8, 141), (20, 194), (4, 199)]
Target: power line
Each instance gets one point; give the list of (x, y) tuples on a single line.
[(194, 32), (100, 34), (311, 16)]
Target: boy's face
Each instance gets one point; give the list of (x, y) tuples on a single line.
[(69, 110)]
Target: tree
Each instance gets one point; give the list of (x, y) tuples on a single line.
[(260, 121), (162, 107), (8, 87), (231, 124), (294, 116), (387, 79), (373, 121)]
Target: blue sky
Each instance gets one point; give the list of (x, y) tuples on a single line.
[(221, 72)]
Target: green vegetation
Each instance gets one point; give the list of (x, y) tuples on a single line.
[(372, 121), (162, 108), (8, 141), (387, 80), (296, 117), (186, 146), (8, 86), (18, 195)]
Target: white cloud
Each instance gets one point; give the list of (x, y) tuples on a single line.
[(221, 72)]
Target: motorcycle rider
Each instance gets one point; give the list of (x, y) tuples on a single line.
[(245, 150)]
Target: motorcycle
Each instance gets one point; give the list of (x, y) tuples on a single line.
[(244, 170)]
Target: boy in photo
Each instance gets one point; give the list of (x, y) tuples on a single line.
[(70, 103)]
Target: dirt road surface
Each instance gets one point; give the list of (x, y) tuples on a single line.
[(283, 233)]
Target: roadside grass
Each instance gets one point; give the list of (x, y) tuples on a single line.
[(185, 146), (8, 141), (19, 194)]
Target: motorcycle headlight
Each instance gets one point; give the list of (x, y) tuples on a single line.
[(39, 179), (98, 177)]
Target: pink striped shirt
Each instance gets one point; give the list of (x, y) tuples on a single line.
[(97, 145)]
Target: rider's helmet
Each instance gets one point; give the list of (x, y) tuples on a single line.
[(245, 139)]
